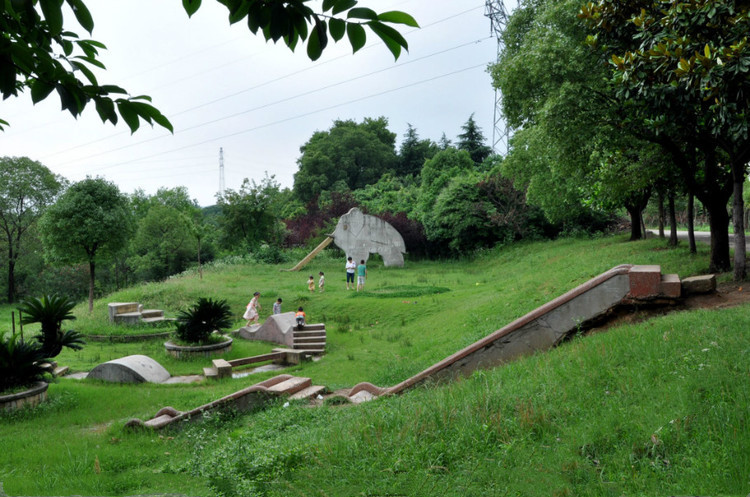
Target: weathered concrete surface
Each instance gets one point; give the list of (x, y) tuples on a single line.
[(130, 369), (547, 325), (278, 328), (360, 234), (542, 331), (699, 284)]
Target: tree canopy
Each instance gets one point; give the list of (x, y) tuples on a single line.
[(26, 188), (350, 155), (90, 220), (685, 67), (40, 52)]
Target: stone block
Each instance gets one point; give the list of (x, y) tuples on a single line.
[(223, 368), (705, 283), (670, 286), (645, 281)]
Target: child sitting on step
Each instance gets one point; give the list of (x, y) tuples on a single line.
[(300, 317)]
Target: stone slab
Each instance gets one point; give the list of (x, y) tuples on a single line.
[(359, 235), (705, 283), (308, 393), (291, 386), (131, 369), (670, 286), (223, 368), (644, 281)]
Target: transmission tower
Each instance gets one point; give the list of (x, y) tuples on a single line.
[(221, 171), (495, 10)]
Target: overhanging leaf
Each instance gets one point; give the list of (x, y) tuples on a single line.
[(337, 28), (82, 14), (397, 17), (357, 36), (191, 7)]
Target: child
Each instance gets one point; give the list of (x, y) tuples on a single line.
[(311, 284), (322, 282), (300, 317), (251, 313), (361, 275), (277, 306)]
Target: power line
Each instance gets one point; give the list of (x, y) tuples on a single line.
[(299, 116), (270, 104)]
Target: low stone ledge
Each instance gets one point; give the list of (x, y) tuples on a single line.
[(31, 397), (696, 285), (210, 350)]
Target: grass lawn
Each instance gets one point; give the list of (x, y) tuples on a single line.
[(656, 408)]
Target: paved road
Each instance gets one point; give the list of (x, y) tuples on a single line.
[(700, 236)]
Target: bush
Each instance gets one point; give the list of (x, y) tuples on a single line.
[(50, 311), (196, 324), (21, 363)]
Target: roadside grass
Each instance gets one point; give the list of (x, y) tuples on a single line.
[(430, 441)]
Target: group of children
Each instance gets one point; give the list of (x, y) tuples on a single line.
[(252, 315), (321, 283)]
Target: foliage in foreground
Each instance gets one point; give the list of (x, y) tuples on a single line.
[(21, 363), (654, 409)]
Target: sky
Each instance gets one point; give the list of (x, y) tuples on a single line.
[(224, 88)]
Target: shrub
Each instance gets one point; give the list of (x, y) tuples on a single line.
[(50, 311), (196, 324), (21, 363)]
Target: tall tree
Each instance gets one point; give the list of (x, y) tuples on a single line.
[(26, 188), (90, 221), (41, 53), (472, 140), (350, 155), (251, 215), (686, 66), (413, 152)]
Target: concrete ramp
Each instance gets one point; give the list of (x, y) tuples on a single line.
[(277, 328), (547, 325), (131, 369)]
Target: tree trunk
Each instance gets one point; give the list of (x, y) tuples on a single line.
[(635, 223), (672, 222), (738, 221), (661, 214), (691, 223), (200, 266), (92, 271), (718, 220)]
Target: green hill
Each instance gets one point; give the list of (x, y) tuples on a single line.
[(657, 408)]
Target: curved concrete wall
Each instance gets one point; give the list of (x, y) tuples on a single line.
[(130, 369), (545, 326)]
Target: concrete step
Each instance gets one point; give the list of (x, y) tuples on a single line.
[(61, 370), (311, 327), (298, 340), (308, 393), (670, 286), (310, 346), (153, 320), (291, 386), (222, 367), (211, 373), (152, 313), (303, 334)]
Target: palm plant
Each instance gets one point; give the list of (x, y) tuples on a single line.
[(51, 311), (196, 324), (21, 363)]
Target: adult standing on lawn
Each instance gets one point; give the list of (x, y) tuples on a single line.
[(351, 268), (361, 275)]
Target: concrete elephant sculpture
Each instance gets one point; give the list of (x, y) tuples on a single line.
[(360, 235)]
